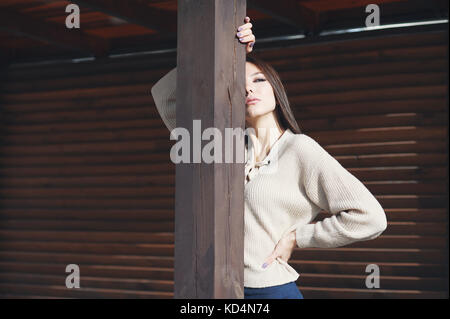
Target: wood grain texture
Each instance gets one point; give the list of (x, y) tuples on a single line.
[(209, 219)]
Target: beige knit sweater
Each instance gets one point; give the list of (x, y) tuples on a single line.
[(285, 192)]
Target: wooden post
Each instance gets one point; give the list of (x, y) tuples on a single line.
[(209, 209)]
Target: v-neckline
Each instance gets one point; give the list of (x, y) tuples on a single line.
[(273, 148)]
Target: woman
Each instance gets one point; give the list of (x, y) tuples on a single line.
[(289, 179)]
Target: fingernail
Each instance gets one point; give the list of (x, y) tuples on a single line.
[(240, 29), (240, 39), (264, 265), (239, 34), (251, 44)]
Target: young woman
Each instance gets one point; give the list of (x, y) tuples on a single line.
[(289, 179)]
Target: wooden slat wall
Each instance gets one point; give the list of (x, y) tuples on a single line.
[(86, 178)]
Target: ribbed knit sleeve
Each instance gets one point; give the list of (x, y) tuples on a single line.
[(356, 213), (164, 94)]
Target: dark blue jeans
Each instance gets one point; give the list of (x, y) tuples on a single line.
[(286, 291)]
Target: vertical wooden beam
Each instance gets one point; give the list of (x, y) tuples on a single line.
[(209, 208)]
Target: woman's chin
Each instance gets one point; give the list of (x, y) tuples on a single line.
[(253, 115), (252, 112)]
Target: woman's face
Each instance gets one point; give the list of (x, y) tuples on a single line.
[(258, 88)]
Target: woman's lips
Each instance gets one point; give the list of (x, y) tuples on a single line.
[(252, 101)]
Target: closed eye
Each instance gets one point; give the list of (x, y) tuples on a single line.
[(260, 80)]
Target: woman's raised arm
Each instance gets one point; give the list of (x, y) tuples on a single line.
[(165, 90), (164, 94)]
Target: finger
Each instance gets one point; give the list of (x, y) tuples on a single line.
[(268, 262), (270, 259), (245, 26), (247, 38), (244, 33)]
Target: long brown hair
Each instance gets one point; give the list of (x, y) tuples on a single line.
[(284, 110)]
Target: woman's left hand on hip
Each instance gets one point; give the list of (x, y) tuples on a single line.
[(283, 249)]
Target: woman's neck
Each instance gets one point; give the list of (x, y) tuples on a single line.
[(264, 132)]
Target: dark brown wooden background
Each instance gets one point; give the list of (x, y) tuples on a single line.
[(86, 177)]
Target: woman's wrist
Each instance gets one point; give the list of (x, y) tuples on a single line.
[(293, 237)]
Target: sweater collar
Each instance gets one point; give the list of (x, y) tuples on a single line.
[(250, 156)]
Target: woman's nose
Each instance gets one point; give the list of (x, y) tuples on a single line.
[(247, 91)]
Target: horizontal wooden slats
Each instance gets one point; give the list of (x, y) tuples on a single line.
[(325, 280), (99, 67), (363, 56), (364, 95), (351, 268), (407, 159), (146, 259), (417, 214), (89, 192), (371, 174), (367, 144), (308, 292), (386, 282), (117, 65), (91, 170), (381, 134), (413, 201), (92, 92), (89, 225), (78, 114), (387, 121), (139, 102), (110, 214), (384, 241), (392, 41), (163, 233), (318, 268), (56, 291), (387, 201), (74, 181), (394, 228), (92, 282), (86, 176), (86, 248), (91, 259), (326, 86), (395, 214), (91, 270), (330, 72), (152, 75), (351, 293), (374, 255), (88, 237), (377, 188), (81, 203), (376, 105), (83, 80), (391, 147), (335, 279)]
